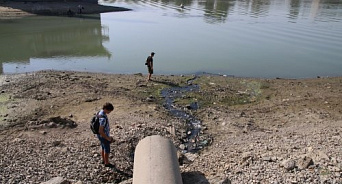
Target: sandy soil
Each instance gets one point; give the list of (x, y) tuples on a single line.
[(253, 128), (10, 9)]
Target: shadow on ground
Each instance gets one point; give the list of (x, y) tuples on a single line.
[(166, 83), (194, 177)]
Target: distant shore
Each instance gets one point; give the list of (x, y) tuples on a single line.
[(10, 9)]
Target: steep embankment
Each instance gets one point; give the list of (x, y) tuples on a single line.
[(10, 9)]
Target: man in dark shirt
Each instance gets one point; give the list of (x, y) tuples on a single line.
[(149, 63)]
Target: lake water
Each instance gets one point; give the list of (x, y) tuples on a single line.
[(247, 38)]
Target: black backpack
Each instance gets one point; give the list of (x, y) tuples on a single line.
[(95, 123)]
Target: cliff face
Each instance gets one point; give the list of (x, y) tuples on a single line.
[(18, 8), (87, 1)]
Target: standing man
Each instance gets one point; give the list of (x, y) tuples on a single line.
[(149, 63), (80, 8), (103, 135)]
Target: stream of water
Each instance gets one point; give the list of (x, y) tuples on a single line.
[(192, 142)]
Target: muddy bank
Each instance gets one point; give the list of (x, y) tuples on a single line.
[(12, 9), (255, 130)]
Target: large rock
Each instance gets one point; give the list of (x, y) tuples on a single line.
[(304, 163), (318, 155), (57, 180), (289, 164)]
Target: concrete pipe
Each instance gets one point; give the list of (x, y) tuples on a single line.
[(155, 162)]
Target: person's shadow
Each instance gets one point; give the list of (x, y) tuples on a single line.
[(122, 173)]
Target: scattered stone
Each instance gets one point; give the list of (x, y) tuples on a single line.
[(18, 140), (92, 99), (334, 169), (217, 180), (304, 163), (289, 164), (129, 181), (246, 156), (182, 147), (43, 132), (56, 143), (318, 155), (243, 114), (191, 156), (172, 130), (150, 99), (54, 122), (64, 149), (141, 85), (52, 125), (268, 159), (57, 180)]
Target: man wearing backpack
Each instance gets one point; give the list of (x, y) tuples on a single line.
[(104, 135)]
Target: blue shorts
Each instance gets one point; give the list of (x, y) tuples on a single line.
[(104, 144)]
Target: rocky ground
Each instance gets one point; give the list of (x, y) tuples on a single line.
[(255, 130)]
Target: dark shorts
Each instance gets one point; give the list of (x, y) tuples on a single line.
[(104, 144), (150, 70)]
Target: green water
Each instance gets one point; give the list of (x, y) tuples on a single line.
[(251, 38)]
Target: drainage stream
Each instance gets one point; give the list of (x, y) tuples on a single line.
[(192, 142)]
